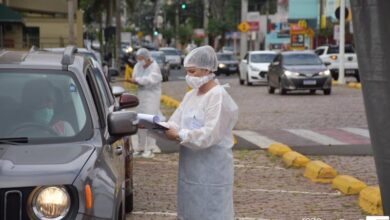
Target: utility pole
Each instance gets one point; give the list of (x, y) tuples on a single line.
[(177, 3), (118, 31), (206, 21), (71, 6), (341, 79), (244, 36)]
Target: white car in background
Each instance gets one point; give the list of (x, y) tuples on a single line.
[(173, 56), (254, 67)]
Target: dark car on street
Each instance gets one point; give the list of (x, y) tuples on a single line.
[(298, 70), (62, 138), (227, 64)]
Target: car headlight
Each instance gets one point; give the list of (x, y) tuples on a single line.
[(50, 203), (253, 68), (289, 73), (333, 57), (129, 50), (325, 73), (221, 65)]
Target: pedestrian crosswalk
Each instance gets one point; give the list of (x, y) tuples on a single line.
[(307, 137)]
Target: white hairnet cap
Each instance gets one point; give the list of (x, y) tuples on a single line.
[(202, 57), (143, 52)]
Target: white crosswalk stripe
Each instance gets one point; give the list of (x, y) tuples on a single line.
[(254, 138), (358, 131), (316, 137)]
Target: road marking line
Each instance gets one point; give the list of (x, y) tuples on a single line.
[(174, 214), (291, 192), (155, 213), (358, 131), (253, 137), (260, 167), (316, 137)]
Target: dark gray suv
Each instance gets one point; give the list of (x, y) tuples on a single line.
[(64, 151)]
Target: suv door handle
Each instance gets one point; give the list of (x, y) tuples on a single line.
[(118, 150)]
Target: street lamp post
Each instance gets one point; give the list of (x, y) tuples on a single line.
[(341, 79)]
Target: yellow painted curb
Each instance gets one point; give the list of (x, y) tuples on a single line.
[(168, 101), (370, 200), (295, 159), (348, 185), (278, 149), (319, 172), (358, 86)]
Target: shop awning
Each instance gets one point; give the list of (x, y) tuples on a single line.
[(7, 15)]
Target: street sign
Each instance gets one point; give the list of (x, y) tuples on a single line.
[(254, 25), (243, 27)]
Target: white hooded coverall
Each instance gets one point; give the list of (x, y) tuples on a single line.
[(205, 184), (149, 92)]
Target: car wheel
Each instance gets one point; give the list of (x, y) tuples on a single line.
[(335, 75), (241, 80), (312, 91), (271, 90), (281, 89), (247, 80), (129, 203), (357, 76), (327, 91)]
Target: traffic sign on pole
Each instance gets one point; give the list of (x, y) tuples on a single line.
[(243, 27)]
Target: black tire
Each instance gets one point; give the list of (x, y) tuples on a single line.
[(335, 75), (240, 80), (247, 80), (281, 89), (271, 90), (312, 91), (357, 76), (129, 203), (327, 91)]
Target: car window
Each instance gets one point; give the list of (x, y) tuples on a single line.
[(225, 57), (43, 105), (102, 88), (319, 52), (97, 97), (157, 58), (301, 59), (262, 58), (335, 49), (171, 52)]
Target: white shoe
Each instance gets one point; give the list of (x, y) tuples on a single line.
[(148, 154), (156, 149), (137, 153)]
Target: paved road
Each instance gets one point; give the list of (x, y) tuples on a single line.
[(306, 122)]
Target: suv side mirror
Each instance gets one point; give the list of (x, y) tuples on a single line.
[(127, 100), (118, 91), (121, 124), (327, 63)]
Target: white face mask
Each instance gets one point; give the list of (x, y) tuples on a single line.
[(197, 82), (142, 62)]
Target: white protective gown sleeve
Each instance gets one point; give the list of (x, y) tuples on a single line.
[(206, 120)]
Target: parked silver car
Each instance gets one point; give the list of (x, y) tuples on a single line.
[(298, 70), (161, 60), (62, 152)]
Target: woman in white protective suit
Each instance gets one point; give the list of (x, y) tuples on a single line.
[(147, 75), (203, 125)]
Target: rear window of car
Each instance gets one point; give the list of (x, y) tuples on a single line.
[(262, 58), (43, 106), (171, 52), (301, 59), (335, 49), (225, 57)]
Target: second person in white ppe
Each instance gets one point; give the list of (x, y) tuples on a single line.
[(147, 75), (203, 125)]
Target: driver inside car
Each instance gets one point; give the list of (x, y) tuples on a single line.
[(39, 96)]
